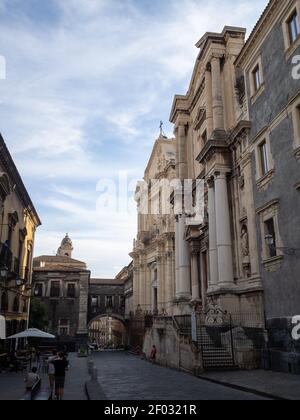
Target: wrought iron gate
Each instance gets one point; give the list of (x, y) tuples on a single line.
[(215, 338)]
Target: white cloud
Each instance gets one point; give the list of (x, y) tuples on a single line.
[(84, 96)]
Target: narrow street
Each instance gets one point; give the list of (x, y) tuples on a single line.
[(125, 377)]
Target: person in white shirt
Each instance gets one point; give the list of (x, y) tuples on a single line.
[(31, 379), (51, 371)]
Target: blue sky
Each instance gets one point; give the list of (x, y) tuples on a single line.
[(88, 82)]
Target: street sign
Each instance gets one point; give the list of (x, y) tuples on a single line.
[(2, 328)]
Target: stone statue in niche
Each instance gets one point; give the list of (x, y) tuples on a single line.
[(245, 241)]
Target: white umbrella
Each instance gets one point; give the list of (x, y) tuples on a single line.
[(31, 333)]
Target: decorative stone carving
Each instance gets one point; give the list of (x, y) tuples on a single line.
[(245, 241)]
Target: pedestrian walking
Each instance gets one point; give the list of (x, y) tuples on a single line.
[(51, 371), (153, 354), (61, 365), (31, 379)]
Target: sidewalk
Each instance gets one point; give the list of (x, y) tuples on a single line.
[(275, 385)]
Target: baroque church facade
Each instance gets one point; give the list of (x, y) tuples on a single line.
[(218, 273)]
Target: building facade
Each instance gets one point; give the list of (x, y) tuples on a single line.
[(18, 223), (61, 284), (237, 131), (268, 62), (153, 254)]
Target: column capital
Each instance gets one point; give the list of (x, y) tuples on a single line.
[(220, 175), (210, 182), (216, 55), (182, 122)]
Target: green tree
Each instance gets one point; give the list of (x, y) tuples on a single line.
[(38, 315)]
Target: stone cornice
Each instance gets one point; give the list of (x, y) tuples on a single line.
[(259, 31), (211, 147), (242, 128)]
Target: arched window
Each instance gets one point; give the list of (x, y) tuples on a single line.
[(16, 306), (4, 302)]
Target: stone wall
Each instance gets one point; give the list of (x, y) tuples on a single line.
[(173, 350)]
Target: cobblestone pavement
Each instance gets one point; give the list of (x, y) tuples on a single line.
[(125, 377), (12, 385), (76, 379)]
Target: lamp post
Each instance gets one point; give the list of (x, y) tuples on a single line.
[(3, 273), (270, 241)]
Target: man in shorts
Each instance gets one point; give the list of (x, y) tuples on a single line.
[(61, 365)]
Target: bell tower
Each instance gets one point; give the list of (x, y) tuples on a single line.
[(66, 247)]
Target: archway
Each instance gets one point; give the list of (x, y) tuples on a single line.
[(107, 332)]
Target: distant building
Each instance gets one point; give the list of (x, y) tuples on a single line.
[(62, 285), (18, 223)]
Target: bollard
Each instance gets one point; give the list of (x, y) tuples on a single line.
[(95, 374)]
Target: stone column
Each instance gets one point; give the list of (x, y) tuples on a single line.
[(182, 164), (169, 281), (213, 253), (209, 106), (177, 286), (217, 97), (153, 288), (224, 242), (83, 303), (148, 289), (195, 275), (136, 286), (160, 282), (204, 276), (184, 278)]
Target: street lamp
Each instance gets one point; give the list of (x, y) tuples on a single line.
[(270, 241), (19, 282), (3, 272)]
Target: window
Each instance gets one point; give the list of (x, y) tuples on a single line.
[(271, 242), (71, 291), (291, 30), (293, 27), (38, 291), (55, 289), (24, 306), (4, 302), (64, 327), (257, 82), (256, 79), (270, 237), (264, 159), (122, 302), (109, 302), (94, 304), (16, 306)]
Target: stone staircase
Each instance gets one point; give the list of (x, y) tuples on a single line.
[(214, 356)]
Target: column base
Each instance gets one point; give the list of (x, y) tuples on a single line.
[(222, 288), (183, 297)]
